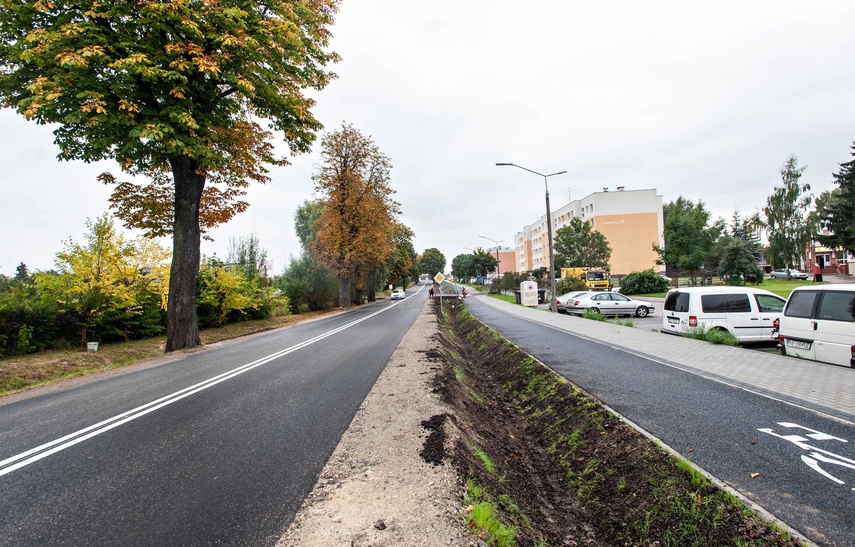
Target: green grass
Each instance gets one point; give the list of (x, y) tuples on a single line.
[(593, 315), (781, 287), (485, 460), (713, 336), (504, 297), (484, 517)]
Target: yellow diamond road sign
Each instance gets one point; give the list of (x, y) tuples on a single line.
[(438, 278)]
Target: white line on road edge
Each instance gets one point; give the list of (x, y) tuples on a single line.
[(30, 456)]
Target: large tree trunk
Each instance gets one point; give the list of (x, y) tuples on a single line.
[(182, 325), (344, 292), (372, 289)]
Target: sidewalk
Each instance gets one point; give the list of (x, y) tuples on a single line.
[(829, 389)]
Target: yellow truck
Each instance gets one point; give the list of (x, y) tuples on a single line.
[(594, 278)]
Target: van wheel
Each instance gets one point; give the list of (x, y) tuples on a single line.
[(642, 311)]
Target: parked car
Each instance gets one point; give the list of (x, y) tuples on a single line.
[(745, 312), (786, 273), (561, 301), (398, 294), (818, 323), (608, 303)]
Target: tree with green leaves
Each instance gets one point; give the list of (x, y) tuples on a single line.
[(838, 210), (432, 262), (170, 90), (741, 228), (689, 236), (787, 224), (109, 274), (462, 268), (246, 254), (579, 246), (403, 259), (483, 261), (305, 219), (307, 281), (738, 263)]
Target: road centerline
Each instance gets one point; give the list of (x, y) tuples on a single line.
[(33, 455)]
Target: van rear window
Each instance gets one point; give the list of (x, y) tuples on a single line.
[(801, 304), (677, 301), (837, 306), (725, 303)]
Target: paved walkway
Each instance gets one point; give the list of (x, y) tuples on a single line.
[(821, 387)]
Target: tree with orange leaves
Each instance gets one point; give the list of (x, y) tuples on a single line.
[(170, 89), (356, 226)]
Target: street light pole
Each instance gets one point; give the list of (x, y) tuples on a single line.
[(552, 303), (497, 252)]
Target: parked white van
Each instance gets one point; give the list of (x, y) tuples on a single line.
[(745, 312), (818, 323)]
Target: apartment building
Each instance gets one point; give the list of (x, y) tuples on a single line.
[(630, 220)]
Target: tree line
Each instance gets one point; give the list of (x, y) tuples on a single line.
[(792, 220), (112, 287)]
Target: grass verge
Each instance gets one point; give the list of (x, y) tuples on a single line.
[(562, 468)]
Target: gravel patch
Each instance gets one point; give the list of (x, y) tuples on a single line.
[(377, 489)]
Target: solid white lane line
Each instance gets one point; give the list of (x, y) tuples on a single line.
[(35, 454)]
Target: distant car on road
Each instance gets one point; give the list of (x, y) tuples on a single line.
[(608, 303), (785, 273), (398, 294)]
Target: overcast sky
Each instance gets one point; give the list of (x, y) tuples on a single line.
[(704, 101)]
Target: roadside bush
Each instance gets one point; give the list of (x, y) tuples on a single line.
[(296, 291), (508, 283), (593, 315), (225, 295), (307, 281), (569, 284), (644, 282), (22, 307), (713, 336)]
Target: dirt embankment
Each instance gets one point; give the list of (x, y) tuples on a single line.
[(544, 463)]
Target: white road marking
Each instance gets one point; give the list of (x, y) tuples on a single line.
[(40, 452)]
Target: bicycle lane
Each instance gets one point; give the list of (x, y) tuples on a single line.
[(792, 461)]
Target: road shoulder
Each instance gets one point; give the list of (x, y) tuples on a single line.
[(376, 489)]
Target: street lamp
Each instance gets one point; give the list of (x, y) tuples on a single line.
[(497, 252), (552, 304)]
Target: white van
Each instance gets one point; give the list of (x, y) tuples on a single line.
[(819, 324), (745, 312)]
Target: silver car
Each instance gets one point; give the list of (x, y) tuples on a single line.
[(785, 273), (608, 303), (561, 301)]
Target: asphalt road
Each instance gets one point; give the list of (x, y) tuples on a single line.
[(731, 432), (219, 447)]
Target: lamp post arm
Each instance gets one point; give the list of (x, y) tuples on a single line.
[(553, 305)]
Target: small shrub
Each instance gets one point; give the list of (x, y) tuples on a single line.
[(645, 282), (713, 336), (569, 284), (25, 340), (593, 314)]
